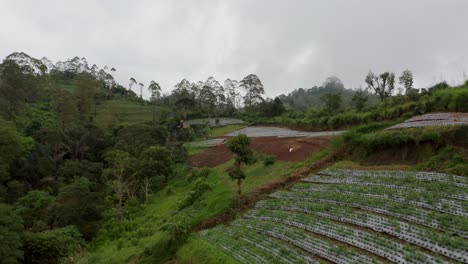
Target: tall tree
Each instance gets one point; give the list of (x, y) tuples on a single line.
[(185, 100), (333, 84), (359, 100), (117, 176), (141, 89), (154, 166), (240, 146), (331, 102), (406, 79), (232, 91), (382, 85), (254, 90), (218, 91), (132, 82), (182, 87), (13, 88), (155, 91), (207, 98)]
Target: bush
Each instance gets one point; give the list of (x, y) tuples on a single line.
[(52, 246), (198, 173), (199, 187), (269, 160)]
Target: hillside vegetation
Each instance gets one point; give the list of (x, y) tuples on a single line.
[(91, 172)]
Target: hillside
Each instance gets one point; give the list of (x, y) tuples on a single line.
[(373, 205), (91, 173)]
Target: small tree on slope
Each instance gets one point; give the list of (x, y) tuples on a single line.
[(240, 146)]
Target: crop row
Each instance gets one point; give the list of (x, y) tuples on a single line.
[(416, 190), (297, 237), (404, 184), (442, 243), (452, 223), (250, 247), (459, 181), (369, 241), (425, 201)]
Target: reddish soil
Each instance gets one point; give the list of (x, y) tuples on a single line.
[(302, 148)]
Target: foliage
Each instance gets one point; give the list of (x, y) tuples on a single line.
[(33, 209), (79, 204), (382, 85), (254, 90), (359, 100), (12, 145), (52, 246), (269, 160), (331, 102), (10, 234), (406, 79), (240, 146)]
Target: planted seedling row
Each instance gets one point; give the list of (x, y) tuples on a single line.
[(416, 189), (372, 242), (459, 181), (441, 205), (444, 244), (237, 249), (444, 222), (316, 246), (277, 252)]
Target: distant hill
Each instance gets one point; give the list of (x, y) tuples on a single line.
[(304, 98)]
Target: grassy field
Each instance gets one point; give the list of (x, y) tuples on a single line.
[(223, 130), (123, 111), (141, 239)]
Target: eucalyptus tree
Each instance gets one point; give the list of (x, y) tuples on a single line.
[(254, 90), (382, 85), (155, 91), (406, 79), (218, 91), (232, 92), (141, 89), (132, 82)]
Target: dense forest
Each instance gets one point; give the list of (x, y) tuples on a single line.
[(73, 172)]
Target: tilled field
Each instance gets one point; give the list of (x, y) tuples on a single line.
[(355, 216), (287, 149), (434, 119), (262, 131)]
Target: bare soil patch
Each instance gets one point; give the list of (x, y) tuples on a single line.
[(287, 149)]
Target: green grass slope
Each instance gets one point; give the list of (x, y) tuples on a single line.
[(144, 239), (123, 111)]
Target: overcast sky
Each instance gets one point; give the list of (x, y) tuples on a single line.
[(288, 44)]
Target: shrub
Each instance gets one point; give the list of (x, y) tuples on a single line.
[(269, 160), (198, 173), (199, 187)]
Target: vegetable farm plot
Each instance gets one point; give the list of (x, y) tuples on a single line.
[(265, 131), (434, 119), (355, 216)]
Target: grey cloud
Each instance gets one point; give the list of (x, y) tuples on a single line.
[(288, 44)]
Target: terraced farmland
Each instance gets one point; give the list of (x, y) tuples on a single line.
[(434, 119), (355, 216)]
